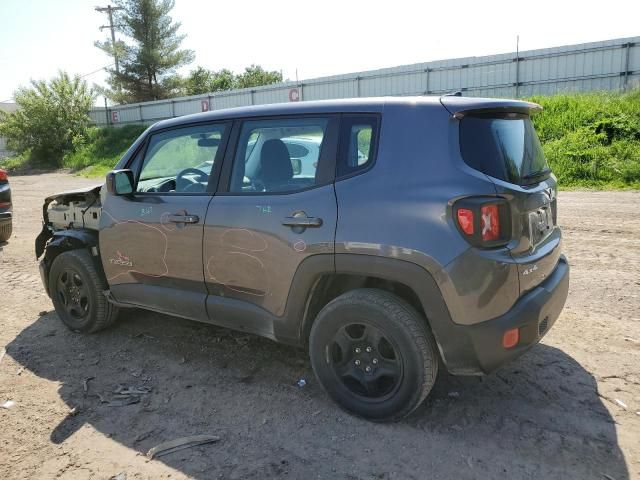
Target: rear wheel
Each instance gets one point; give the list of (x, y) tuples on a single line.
[(76, 286), (5, 231), (373, 354)]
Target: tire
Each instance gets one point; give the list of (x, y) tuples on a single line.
[(402, 359), (5, 231), (75, 287)]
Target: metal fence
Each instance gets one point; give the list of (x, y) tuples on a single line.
[(5, 107), (4, 152), (607, 65)]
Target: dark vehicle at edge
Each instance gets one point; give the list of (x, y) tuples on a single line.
[(6, 207)]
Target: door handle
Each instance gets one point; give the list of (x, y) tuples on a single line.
[(305, 222), (183, 218)]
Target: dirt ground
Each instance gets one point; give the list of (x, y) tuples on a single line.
[(570, 408)]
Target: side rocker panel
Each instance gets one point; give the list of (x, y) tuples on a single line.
[(245, 316)]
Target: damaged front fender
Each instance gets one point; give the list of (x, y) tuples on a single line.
[(69, 214)]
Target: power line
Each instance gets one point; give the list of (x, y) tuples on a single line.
[(96, 71)]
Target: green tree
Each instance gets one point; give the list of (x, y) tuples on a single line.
[(51, 117), (150, 54), (202, 80), (255, 76)]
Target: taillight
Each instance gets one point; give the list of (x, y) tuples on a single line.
[(490, 222), (3, 175), (465, 220), (483, 221)]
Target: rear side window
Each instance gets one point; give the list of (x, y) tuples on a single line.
[(357, 144), (278, 155), (504, 147)]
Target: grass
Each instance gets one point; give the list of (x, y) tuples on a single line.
[(100, 152), (591, 140), (17, 162), (94, 156)]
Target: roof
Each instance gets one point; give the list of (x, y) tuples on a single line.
[(369, 105)]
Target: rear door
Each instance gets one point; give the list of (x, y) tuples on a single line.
[(272, 212), (151, 240), (505, 146)]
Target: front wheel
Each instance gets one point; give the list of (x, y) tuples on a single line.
[(373, 354), (76, 288)]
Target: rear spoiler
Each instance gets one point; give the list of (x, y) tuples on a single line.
[(459, 107)]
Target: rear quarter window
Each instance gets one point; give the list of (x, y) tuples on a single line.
[(358, 144)]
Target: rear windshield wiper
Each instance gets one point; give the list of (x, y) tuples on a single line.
[(538, 174)]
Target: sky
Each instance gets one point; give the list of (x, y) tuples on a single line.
[(328, 37)]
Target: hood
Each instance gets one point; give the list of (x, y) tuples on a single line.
[(78, 192)]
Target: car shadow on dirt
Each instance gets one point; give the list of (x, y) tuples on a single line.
[(540, 416)]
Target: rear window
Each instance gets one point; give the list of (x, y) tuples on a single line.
[(505, 147)]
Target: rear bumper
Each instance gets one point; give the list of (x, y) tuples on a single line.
[(5, 217), (478, 348)]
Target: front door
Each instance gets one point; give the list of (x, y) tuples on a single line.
[(276, 208), (151, 241)]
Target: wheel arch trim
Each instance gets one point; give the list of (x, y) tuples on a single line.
[(62, 241), (412, 275)]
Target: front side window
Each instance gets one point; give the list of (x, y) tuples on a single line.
[(180, 160), (278, 155)]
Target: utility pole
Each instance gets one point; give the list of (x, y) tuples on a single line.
[(109, 9), (517, 66)]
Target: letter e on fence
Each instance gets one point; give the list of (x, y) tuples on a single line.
[(204, 105), (115, 118)]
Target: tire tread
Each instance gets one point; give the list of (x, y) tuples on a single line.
[(106, 312), (402, 312), (5, 232)]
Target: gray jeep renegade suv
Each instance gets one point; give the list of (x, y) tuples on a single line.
[(392, 236)]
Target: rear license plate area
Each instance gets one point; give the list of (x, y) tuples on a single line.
[(540, 224)]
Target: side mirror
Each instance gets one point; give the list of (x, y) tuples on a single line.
[(120, 182)]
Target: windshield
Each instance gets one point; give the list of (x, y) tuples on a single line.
[(503, 146)]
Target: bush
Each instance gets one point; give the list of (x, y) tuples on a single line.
[(51, 116), (592, 140)]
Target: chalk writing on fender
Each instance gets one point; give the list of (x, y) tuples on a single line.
[(122, 260)]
